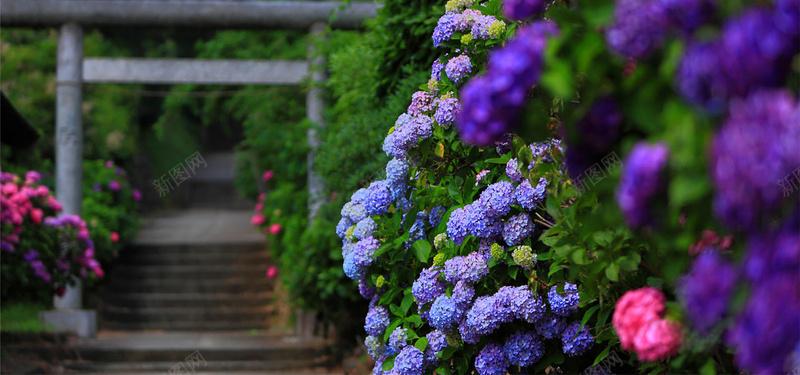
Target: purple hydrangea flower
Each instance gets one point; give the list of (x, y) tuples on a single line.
[(470, 268), (498, 198), (421, 101), (489, 312), (688, 15), (512, 170), (590, 141), (377, 320), (481, 224), (517, 229), (365, 290), (444, 313), (491, 360), (31, 255), (436, 70), (481, 26), (365, 228), (463, 293), (357, 261), (755, 148), (564, 304), (397, 170), (523, 348), (428, 286), (527, 196), (96, 188), (375, 347), (458, 68), (641, 181), (445, 28), (491, 103), (447, 111), (777, 251), (354, 211), (409, 361), (437, 341), (576, 341), (378, 198), (551, 326), (114, 185), (707, 289), (522, 9), (639, 27), (398, 339), (765, 334)]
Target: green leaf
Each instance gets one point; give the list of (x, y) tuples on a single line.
[(408, 300), (708, 368), (685, 189), (422, 249), (388, 363), (612, 272), (588, 314), (421, 344), (512, 272), (448, 352), (655, 282), (602, 355)]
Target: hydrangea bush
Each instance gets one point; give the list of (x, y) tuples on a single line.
[(552, 181), (41, 251)]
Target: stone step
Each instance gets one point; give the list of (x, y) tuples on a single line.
[(175, 314), (178, 285), (188, 273), (215, 194), (205, 228), (190, 300), (199, 368), (186, 326), (197, 250), (167, 258)]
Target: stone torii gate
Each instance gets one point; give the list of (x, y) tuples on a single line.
[(73, 70)]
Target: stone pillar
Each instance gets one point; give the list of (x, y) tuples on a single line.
[(315, 105), (69, 152)]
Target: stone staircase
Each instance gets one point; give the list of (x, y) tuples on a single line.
[(194, 281)]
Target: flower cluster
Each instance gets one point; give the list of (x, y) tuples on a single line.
[(638, 320), (470, 21), (642, 179), (492, 102)]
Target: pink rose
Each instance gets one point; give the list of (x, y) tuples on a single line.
[(114, 237), (259, 207), (274, 229), (634, 310), (36, 216), (268, 175), (658, 340), (272, 271), (258, 219)]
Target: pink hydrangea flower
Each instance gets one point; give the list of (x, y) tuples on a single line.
[(54, 204), (262, 196), (259, 207), (109, 164), (658, 340), (137, 195), (114, 185), (36, 216), (272, 271), (114, 237), (258, 219), (480, 176), (268, 175), (274, 229), (634, 310)]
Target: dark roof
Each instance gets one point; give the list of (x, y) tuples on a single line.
[(15, 130)]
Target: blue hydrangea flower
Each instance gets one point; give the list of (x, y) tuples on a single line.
[(365, 228), (435, 216), (354, 211), (375, 347), (378, 198), (457, 225), (458, 68), (396, 170), (480, 223), (378, 368), (576, 341), (428, 286), (520, 303), (417, 231), (437, 341), (523, 348), (444, 313), (498, 198), (398, 339), (470, 268), (517, 229), (564, 304), (491, 360), (409, 361), (377, 320), (512, 170), (463, 292), (446, 112), (344, 224), (552, 326)]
